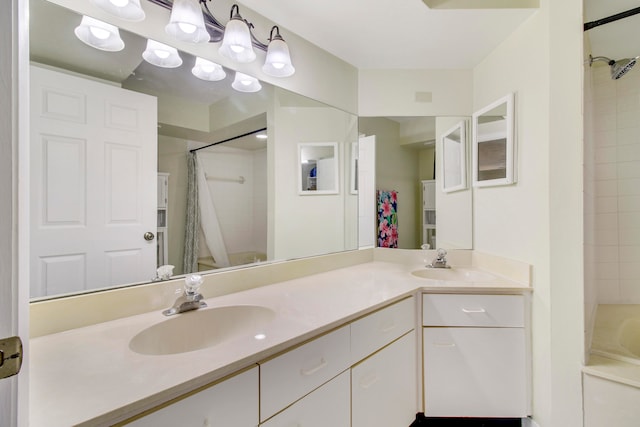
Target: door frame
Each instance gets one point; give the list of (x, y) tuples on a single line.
[(14, 181)]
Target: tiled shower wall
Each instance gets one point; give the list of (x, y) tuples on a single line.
[(615, 146)]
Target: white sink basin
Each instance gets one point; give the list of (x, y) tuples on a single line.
[(455, 274), (203, 328)]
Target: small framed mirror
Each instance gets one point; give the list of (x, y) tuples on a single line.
[(493, 144), (318, 168), (454, 158)]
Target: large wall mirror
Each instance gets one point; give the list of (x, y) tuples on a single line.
[(408, 153), (107, 210)]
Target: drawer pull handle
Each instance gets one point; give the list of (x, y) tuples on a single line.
[(444, 344), (388, 327), (311, 371), (474, 310), (368, 381)]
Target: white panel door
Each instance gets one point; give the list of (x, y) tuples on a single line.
[(93, 188), (367, 191)]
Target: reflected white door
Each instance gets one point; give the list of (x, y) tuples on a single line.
[(367, 191), (93, 188)]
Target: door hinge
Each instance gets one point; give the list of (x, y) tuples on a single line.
[(10, 356)]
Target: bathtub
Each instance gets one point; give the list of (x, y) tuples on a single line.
[(616, 333), (611, 377)]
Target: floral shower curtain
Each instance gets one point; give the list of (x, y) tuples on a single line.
[(387, 219)]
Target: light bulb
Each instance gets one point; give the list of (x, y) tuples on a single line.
[(163, 54), (119, 3), (187, 28), (99, 33), (277, 65), (237, 48)]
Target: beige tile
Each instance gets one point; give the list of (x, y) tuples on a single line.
[(606, 171), (606, 205), (606, 155)]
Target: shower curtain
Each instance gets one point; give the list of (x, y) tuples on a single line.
[(191, 237), (201, 212)]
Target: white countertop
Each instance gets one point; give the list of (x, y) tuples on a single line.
[(89, 376)]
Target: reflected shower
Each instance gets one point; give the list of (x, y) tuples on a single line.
[(618, 68)]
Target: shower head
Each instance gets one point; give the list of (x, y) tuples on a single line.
[(618, 68)]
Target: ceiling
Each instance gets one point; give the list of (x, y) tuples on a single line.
[(616, 40)]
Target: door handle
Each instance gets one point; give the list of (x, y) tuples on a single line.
[(149, 236), (10, 356)]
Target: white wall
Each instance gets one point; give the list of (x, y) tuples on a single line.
[(414, 93), (539, 219)]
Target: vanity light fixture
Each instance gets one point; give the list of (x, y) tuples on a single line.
[(278, 61), (99, 34), (236, 43), (238, 40), (161, 55), (186, 22), (129, 10), (207, 70), (262, 136), (245, 83)]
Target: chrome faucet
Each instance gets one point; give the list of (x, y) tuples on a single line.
[(440, 261), (191, 299)]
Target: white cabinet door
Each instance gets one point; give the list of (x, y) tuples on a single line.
[(324, 407), (475, 372), (231, 403), (384, 386)]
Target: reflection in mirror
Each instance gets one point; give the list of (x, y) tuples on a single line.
[(493, 144), (318, 168), (111, 139), (454, 158), (405, 153)]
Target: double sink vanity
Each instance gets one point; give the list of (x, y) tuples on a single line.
[(369, 344)]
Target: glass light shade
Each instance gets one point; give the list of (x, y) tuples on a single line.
[(161, 55), (278, 60), (99, 34), (207, 70), (186, 22), (129, 10), (245, 83), (236, 43)]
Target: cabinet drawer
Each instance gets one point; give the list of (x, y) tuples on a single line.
[(326, 406), (473, 310), (288, 377), (380, 328), (233, 402)]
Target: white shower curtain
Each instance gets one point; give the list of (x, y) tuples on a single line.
[(209, 219)]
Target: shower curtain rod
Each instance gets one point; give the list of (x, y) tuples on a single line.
[(612, 18), (227, 140)]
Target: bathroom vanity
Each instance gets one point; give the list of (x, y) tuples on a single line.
[(342, 343)]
